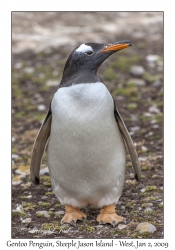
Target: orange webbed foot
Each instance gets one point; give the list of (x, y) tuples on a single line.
[(72, 215), (108, 215)]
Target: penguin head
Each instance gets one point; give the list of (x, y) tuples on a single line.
[(89, 56)]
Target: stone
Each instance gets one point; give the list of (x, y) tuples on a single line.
[(51, 83), (144, 149), (132, 175), (137, 70), (17, 180), (34, 230), (146, 227), (147, 209), (29, 196), (137, 82), (23, 170), (41, 107), (142, 190), (152, 58), (157, 83), (44, 171), (44, 197), (135, 128), (28, 70), (147, 204), (15, 156), (121, 226), (60, 212), (47, 232), (154, 109), (27, 220), (44, 213), (149, 134), (142, 158)]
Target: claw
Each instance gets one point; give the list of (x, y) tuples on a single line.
[(114, 223), (73, 223)]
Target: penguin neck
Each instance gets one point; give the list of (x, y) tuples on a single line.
[(78, 77)]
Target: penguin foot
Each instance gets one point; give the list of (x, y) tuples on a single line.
[(108, 215), (72, 215)]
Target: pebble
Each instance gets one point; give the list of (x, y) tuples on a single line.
[(29, 196), (44, 171), (147, 205), (134, 117), (47, 232), (18, 207), (17, 180), (153, 121), (34, 230), (152, 58), (137, 82), (137, 70), (121, 226), (44, 213), (157, 83), (149, 134), (52, 83), (143, 189), (27, 220), (23, 170), (147, 209), (29, 70), (142, 158), (130, 182), (146, 227), (18, 65), (15, 156), (60, 212), (38, 97), (136, 128), (144, 149), (154, 109), (155, 126), (41, 107), (147, 114), (132, 175), (44, 197)]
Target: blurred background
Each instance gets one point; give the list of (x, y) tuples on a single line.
[(41, 43)]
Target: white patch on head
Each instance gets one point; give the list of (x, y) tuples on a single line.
[(84, 48)]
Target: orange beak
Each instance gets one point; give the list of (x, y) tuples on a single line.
[(117, 46)]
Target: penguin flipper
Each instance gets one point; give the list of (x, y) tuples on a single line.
[(129, 143), (39, 146)]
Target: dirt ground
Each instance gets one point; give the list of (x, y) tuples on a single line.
[(41, 42)]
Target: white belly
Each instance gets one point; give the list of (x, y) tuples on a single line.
[(86, 152)]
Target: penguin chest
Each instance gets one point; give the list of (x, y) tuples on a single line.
[(86, 151)]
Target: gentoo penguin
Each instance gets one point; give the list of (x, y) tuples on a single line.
[(87, 137)]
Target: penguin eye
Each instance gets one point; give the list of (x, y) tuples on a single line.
[(89, 53)]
